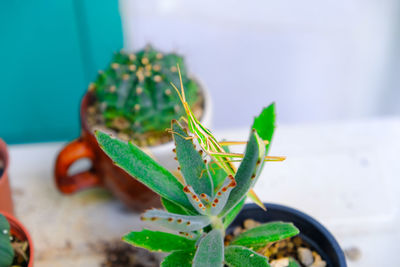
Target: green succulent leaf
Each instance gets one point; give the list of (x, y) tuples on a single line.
[(195, 200), (173, 208), (178, 258), (143, 168), (217, 174), (261, 235), (6, 250), (221, 197), (233, 213), (264, 124), (176, 222), (191, 162), (210, 251), (238, 256), (159, 241), (248, 171)]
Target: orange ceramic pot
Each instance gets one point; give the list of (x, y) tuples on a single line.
[(19, 231), (6, 203)]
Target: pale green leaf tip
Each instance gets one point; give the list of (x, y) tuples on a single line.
[(126, 240), (97, 133)]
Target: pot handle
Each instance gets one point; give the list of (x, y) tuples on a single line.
[(72, 152)]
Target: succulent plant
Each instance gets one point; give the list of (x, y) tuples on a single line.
[(6, 250), (200, 205), (135, 97)]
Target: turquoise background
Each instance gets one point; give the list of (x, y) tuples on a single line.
[(49, 52)]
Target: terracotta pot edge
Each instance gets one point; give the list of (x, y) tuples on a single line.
[(5, 157)]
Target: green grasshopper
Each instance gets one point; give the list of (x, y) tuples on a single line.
[(211, 146)]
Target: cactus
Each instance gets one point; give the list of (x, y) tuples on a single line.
[(6, 250), (134, 94), (200, 206)]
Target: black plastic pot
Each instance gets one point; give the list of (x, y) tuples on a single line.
[(311, 231)]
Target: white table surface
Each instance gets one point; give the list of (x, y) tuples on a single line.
[(344, 174)]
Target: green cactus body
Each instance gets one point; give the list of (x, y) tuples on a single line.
[(6, 250), (135, 97), (199, 206)]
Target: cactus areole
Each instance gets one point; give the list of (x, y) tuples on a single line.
[(202, 202), (134, 96)]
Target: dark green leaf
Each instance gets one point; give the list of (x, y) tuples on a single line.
[(6, 250), (192, 165), (143, 168), (210, 251), (264, 124), (178, 259), (221, 196), (233, 213), (217, 174), (248, 171), (159, 241), (173, 208), (260, 236), (238, 256)]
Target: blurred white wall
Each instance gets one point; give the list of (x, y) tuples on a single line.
[(319, 60)]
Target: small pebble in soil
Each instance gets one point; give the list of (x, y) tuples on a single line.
[(249, 224), (305, 256), (120, 123), (237, 231), (284, 262), (318, 262), (353, 253)]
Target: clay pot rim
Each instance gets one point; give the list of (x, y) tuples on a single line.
[(206, 118), (20, 228), (4, 157)]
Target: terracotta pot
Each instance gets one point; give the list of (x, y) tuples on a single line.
[(19, 231), (103, 172), (6, 203)]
